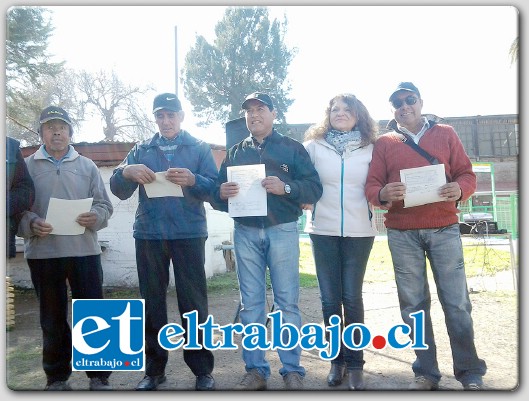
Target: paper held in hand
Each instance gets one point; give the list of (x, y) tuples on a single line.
[(422, 184), (251, 199), (62, 214), (162, 187)]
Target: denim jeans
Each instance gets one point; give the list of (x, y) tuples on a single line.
[(443, 248), (275, 247), (51, 278), (340, 266)]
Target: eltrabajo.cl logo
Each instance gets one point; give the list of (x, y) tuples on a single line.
[(108, 334)]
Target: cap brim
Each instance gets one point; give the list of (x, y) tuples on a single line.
[(243, 106), (400, 90), (166, 108), (55, 118)]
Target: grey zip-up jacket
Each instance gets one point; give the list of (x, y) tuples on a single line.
[(76, 177)]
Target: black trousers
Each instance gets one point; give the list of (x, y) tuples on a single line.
[(84, 274), (153, 258)]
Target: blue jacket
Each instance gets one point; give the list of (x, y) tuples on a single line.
[(285, 158), (169, 218)]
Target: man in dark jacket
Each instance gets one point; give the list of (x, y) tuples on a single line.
[(270, 240), (20, 193), (170, 228)]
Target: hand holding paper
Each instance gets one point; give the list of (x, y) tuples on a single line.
[(162, 187), (251, 199), (422, 184), (62, 215)]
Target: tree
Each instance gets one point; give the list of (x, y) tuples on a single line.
[(117, 104), (27, 62), (60, 91), (248, 55)]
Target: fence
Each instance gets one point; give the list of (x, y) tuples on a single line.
[(506, 214)]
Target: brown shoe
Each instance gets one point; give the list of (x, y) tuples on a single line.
[(423, 383), (356, 379), (293, 381), (252, 380)]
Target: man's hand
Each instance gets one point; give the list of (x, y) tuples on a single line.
[(273, 185), (139, 173), (40, 228), (88, 219), (228, 190), (393, 191), (451, 192), (181, 176)]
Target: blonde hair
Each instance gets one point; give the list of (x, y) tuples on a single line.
[(364, 122)]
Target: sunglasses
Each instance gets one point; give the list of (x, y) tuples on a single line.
[(410, 101)]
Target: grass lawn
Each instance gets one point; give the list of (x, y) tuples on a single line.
[(479, 260)]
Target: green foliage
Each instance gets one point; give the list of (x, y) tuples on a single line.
[(248, 55), (27, 64)]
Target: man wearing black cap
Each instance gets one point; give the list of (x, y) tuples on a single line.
[(272, 240), (170, 229), (427, 231), (58, 171)]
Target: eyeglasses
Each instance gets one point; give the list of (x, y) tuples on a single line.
[(410, 101)]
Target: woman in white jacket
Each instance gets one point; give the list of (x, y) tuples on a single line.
[(341, 224)]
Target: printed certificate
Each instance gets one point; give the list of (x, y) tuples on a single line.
[(251, 199), (422, 184)]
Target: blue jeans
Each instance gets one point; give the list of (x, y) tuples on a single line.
[(443, 248), (340, 266), (278, 248)]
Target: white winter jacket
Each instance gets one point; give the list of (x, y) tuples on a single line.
[(343, 209)]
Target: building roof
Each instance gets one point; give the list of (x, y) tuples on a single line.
[(113, 153)]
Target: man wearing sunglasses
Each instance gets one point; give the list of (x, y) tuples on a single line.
[(427, 231)]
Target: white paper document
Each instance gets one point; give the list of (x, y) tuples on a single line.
[(422, 184), (162, 187), (251, 199), (62, 214)]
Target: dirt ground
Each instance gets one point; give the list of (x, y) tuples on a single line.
[(496, 324)]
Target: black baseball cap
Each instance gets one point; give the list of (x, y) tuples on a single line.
[(406, 86), (54, 113), (262, 97), (168, 101)]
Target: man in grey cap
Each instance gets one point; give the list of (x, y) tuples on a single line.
[(170, 229), (270, 240), (54, 261), (429, 231)]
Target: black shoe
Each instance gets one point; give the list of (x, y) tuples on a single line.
[(356, 379), (336, 375), (149, 383), (205, 383)]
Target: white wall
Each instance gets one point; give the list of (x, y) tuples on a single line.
[(118, 258)]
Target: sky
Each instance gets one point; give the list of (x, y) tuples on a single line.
[(458, 56)]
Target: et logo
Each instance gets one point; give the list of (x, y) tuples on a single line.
[(108, 334)]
